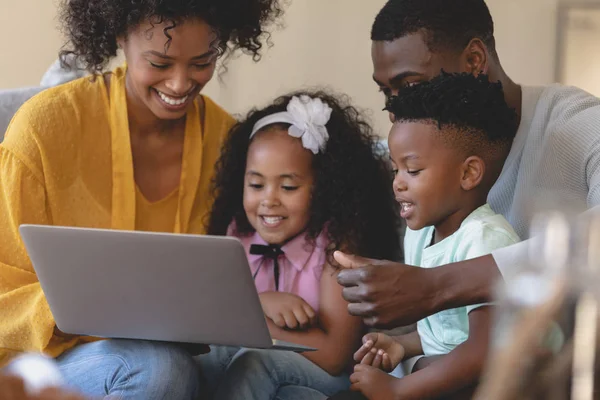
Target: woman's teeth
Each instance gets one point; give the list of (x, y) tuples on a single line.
[(171, 100)]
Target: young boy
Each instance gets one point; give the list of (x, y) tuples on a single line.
[(448, 144)]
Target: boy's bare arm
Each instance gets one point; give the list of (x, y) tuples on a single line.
[(411, 343), (460, 369)]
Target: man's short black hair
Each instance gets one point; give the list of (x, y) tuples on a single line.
[(447, 24)]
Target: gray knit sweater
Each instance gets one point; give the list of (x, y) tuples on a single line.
[(554, 162)]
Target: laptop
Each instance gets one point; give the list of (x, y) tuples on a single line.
[(150, 286)]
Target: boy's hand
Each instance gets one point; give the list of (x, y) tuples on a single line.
[(380, 351), (287, 310)]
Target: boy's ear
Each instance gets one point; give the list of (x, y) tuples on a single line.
[(473, 170)]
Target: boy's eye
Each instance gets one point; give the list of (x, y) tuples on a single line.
[(290, 188), (414, 172), (256, 186)]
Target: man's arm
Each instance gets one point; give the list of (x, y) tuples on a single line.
[(388, 294)]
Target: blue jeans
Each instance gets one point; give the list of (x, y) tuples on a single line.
[(131, 369), (231, 373)]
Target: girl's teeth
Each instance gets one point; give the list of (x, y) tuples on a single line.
[(272, 220), (172, 101)]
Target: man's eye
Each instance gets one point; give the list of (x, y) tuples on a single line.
[(386, 92)]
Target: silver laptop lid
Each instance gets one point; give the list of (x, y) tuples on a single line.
[(155, 286)]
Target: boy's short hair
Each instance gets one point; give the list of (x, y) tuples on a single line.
[(447, 24), (471, 112)]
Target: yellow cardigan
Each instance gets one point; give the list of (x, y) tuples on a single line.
[(66, 160)]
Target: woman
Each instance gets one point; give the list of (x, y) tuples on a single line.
[(133, 149)]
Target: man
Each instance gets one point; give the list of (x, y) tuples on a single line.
[(556, 154)]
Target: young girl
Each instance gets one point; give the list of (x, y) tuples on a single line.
[(297, 181)]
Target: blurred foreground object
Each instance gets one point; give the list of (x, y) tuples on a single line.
[(33, 377), (546, 328)]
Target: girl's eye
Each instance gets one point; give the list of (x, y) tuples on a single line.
[(414, 172), (290, 188), (256, 186), (159, 66)]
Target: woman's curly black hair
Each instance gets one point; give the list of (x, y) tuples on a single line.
[(352, 194), (93, 26)]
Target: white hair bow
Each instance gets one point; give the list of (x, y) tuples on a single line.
[(307, 117)]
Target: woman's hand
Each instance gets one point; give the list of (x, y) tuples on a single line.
[(380, 351), (287, 310)]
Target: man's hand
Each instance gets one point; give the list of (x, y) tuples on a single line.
[(380, 351), (386, 294), (287, 310)]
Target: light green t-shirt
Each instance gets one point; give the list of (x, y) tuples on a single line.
[(479, 234)]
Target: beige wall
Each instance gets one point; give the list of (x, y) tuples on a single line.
[(582, 50), (29, 41), (324, 42)]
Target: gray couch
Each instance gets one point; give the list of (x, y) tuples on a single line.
[(12, 99)]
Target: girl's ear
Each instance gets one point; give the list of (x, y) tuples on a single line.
[(473, 170), (121, 42)]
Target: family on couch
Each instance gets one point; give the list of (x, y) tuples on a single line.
[(299, 182)]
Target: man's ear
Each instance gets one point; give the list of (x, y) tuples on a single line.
[(475, 58), (473, 170)]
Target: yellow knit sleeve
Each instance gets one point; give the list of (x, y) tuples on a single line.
[(26, 323)]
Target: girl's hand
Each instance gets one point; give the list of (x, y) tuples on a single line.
[(287, 310), (380, 351)]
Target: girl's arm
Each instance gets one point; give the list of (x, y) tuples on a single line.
[(337, 333)]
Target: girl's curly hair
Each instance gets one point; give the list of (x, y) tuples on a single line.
[(93, 26), (352, 194)]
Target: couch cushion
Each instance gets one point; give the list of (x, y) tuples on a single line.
[(10, 101)]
